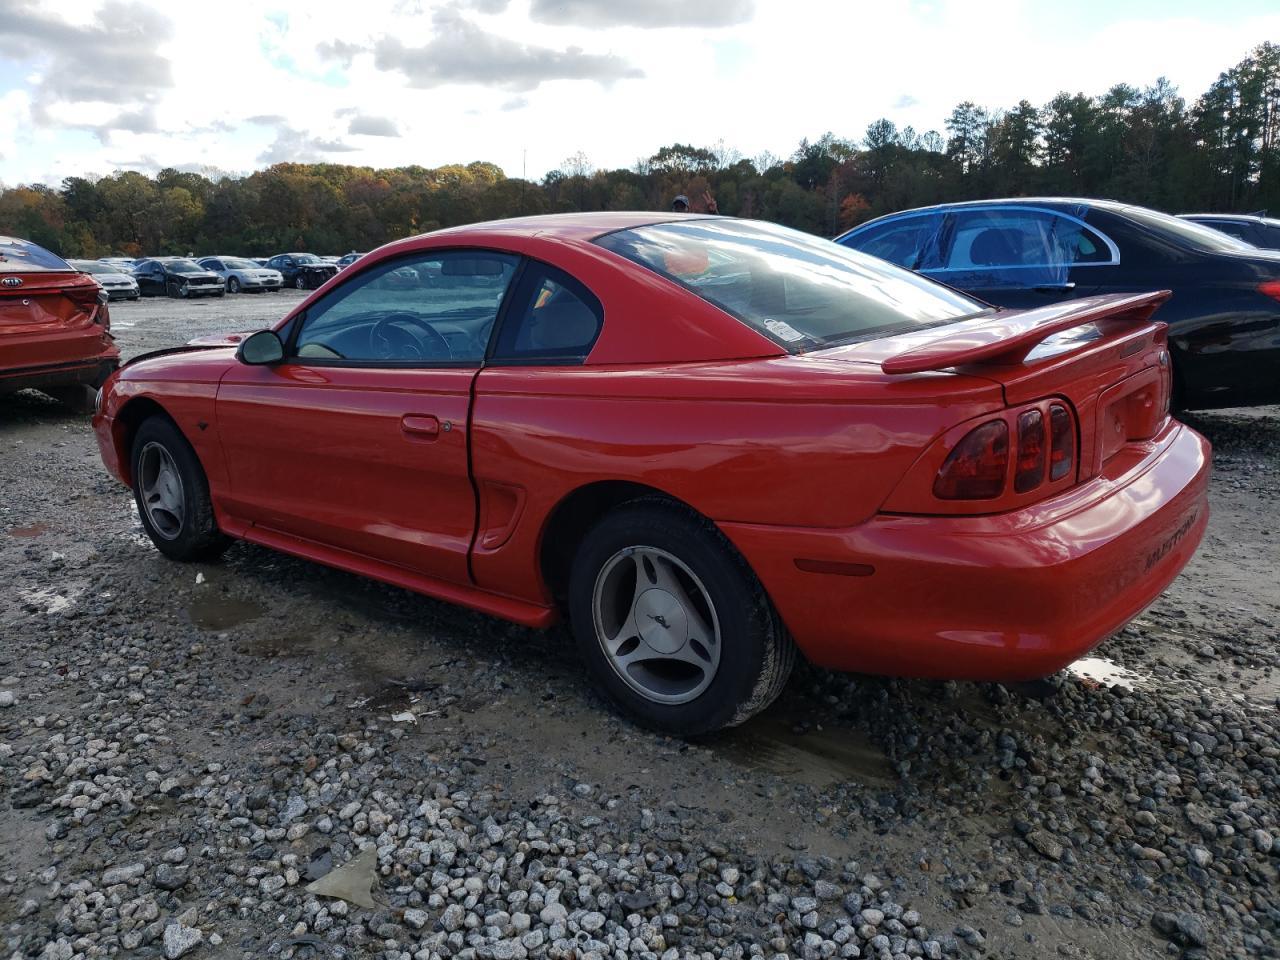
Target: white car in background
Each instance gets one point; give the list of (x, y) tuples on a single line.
[(242, 275), (118, 282)]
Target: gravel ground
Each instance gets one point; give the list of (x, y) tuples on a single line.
[(184, 749)]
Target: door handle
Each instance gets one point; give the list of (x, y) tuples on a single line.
[(420, 426)]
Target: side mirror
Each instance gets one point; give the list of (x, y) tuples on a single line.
[(260, 349)]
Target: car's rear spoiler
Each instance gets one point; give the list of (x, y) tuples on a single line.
[(1007, 339)]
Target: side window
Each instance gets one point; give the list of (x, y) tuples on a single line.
[(984, 240), (429, 308), (553, 318), (908, 241)]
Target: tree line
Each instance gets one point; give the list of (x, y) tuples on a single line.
[(1146, 146)]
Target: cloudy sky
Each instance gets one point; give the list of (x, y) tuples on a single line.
[(90, 86)]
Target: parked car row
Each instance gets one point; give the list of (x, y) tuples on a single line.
[(175, 276)]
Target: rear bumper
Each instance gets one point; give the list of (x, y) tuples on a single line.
[(90, 372), (1013, 596)]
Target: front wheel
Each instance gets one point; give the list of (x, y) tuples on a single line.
[(172, 493), (171, 289), (233, 285), (299, 282), (672, 623)]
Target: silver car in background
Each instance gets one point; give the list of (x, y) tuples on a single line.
[(242, 275), (117, 281)]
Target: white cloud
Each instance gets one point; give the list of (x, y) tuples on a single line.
[(258, 82)]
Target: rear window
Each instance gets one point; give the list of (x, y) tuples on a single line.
[(800, 291), (21, 256), (1194, 235)]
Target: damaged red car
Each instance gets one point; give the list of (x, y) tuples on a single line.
[(55, 331), (710, 444)]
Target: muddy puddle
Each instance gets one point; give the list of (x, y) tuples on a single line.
[(214, 611), (1107, 673), (29, 531), (817, 756)]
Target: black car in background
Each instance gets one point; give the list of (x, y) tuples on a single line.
[(176, 277), (1259, 231), (305, 271), (1224, 316)]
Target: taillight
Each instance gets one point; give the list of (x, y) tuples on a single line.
[(92, 300), (1270, 288), (976, 468), (1031, 453), (1062, 443)]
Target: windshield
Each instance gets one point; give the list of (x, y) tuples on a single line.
[(801, 291), (234, 264), (1195, 235), (19, 256), (306, 258), (184, 266), (93, 266)]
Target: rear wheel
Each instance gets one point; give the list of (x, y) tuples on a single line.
[(672, 623), (172, 494)]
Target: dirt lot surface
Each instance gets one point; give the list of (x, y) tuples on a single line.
[(183, 748)]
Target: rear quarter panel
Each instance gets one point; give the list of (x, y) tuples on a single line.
[(788, 441)]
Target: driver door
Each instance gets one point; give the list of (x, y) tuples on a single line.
[(357, 440)]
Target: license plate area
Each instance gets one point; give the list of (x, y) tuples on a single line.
[(1131, 411)]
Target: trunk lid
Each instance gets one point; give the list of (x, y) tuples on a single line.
[(50, 318), (1104, 355)]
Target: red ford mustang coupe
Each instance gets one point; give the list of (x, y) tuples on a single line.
[(55, 332), (706, 441)]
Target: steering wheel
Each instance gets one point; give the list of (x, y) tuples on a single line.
[(390, 339)]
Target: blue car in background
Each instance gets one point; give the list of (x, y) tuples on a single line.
[(1224, 316)]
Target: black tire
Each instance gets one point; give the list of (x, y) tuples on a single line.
[(233, 285), (171, 290), (78, 397), (198, 537), (757, 653)]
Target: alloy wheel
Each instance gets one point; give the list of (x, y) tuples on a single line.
[(162, 493), (656, 624)]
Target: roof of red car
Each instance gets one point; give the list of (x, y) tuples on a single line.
[(570, 226)]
